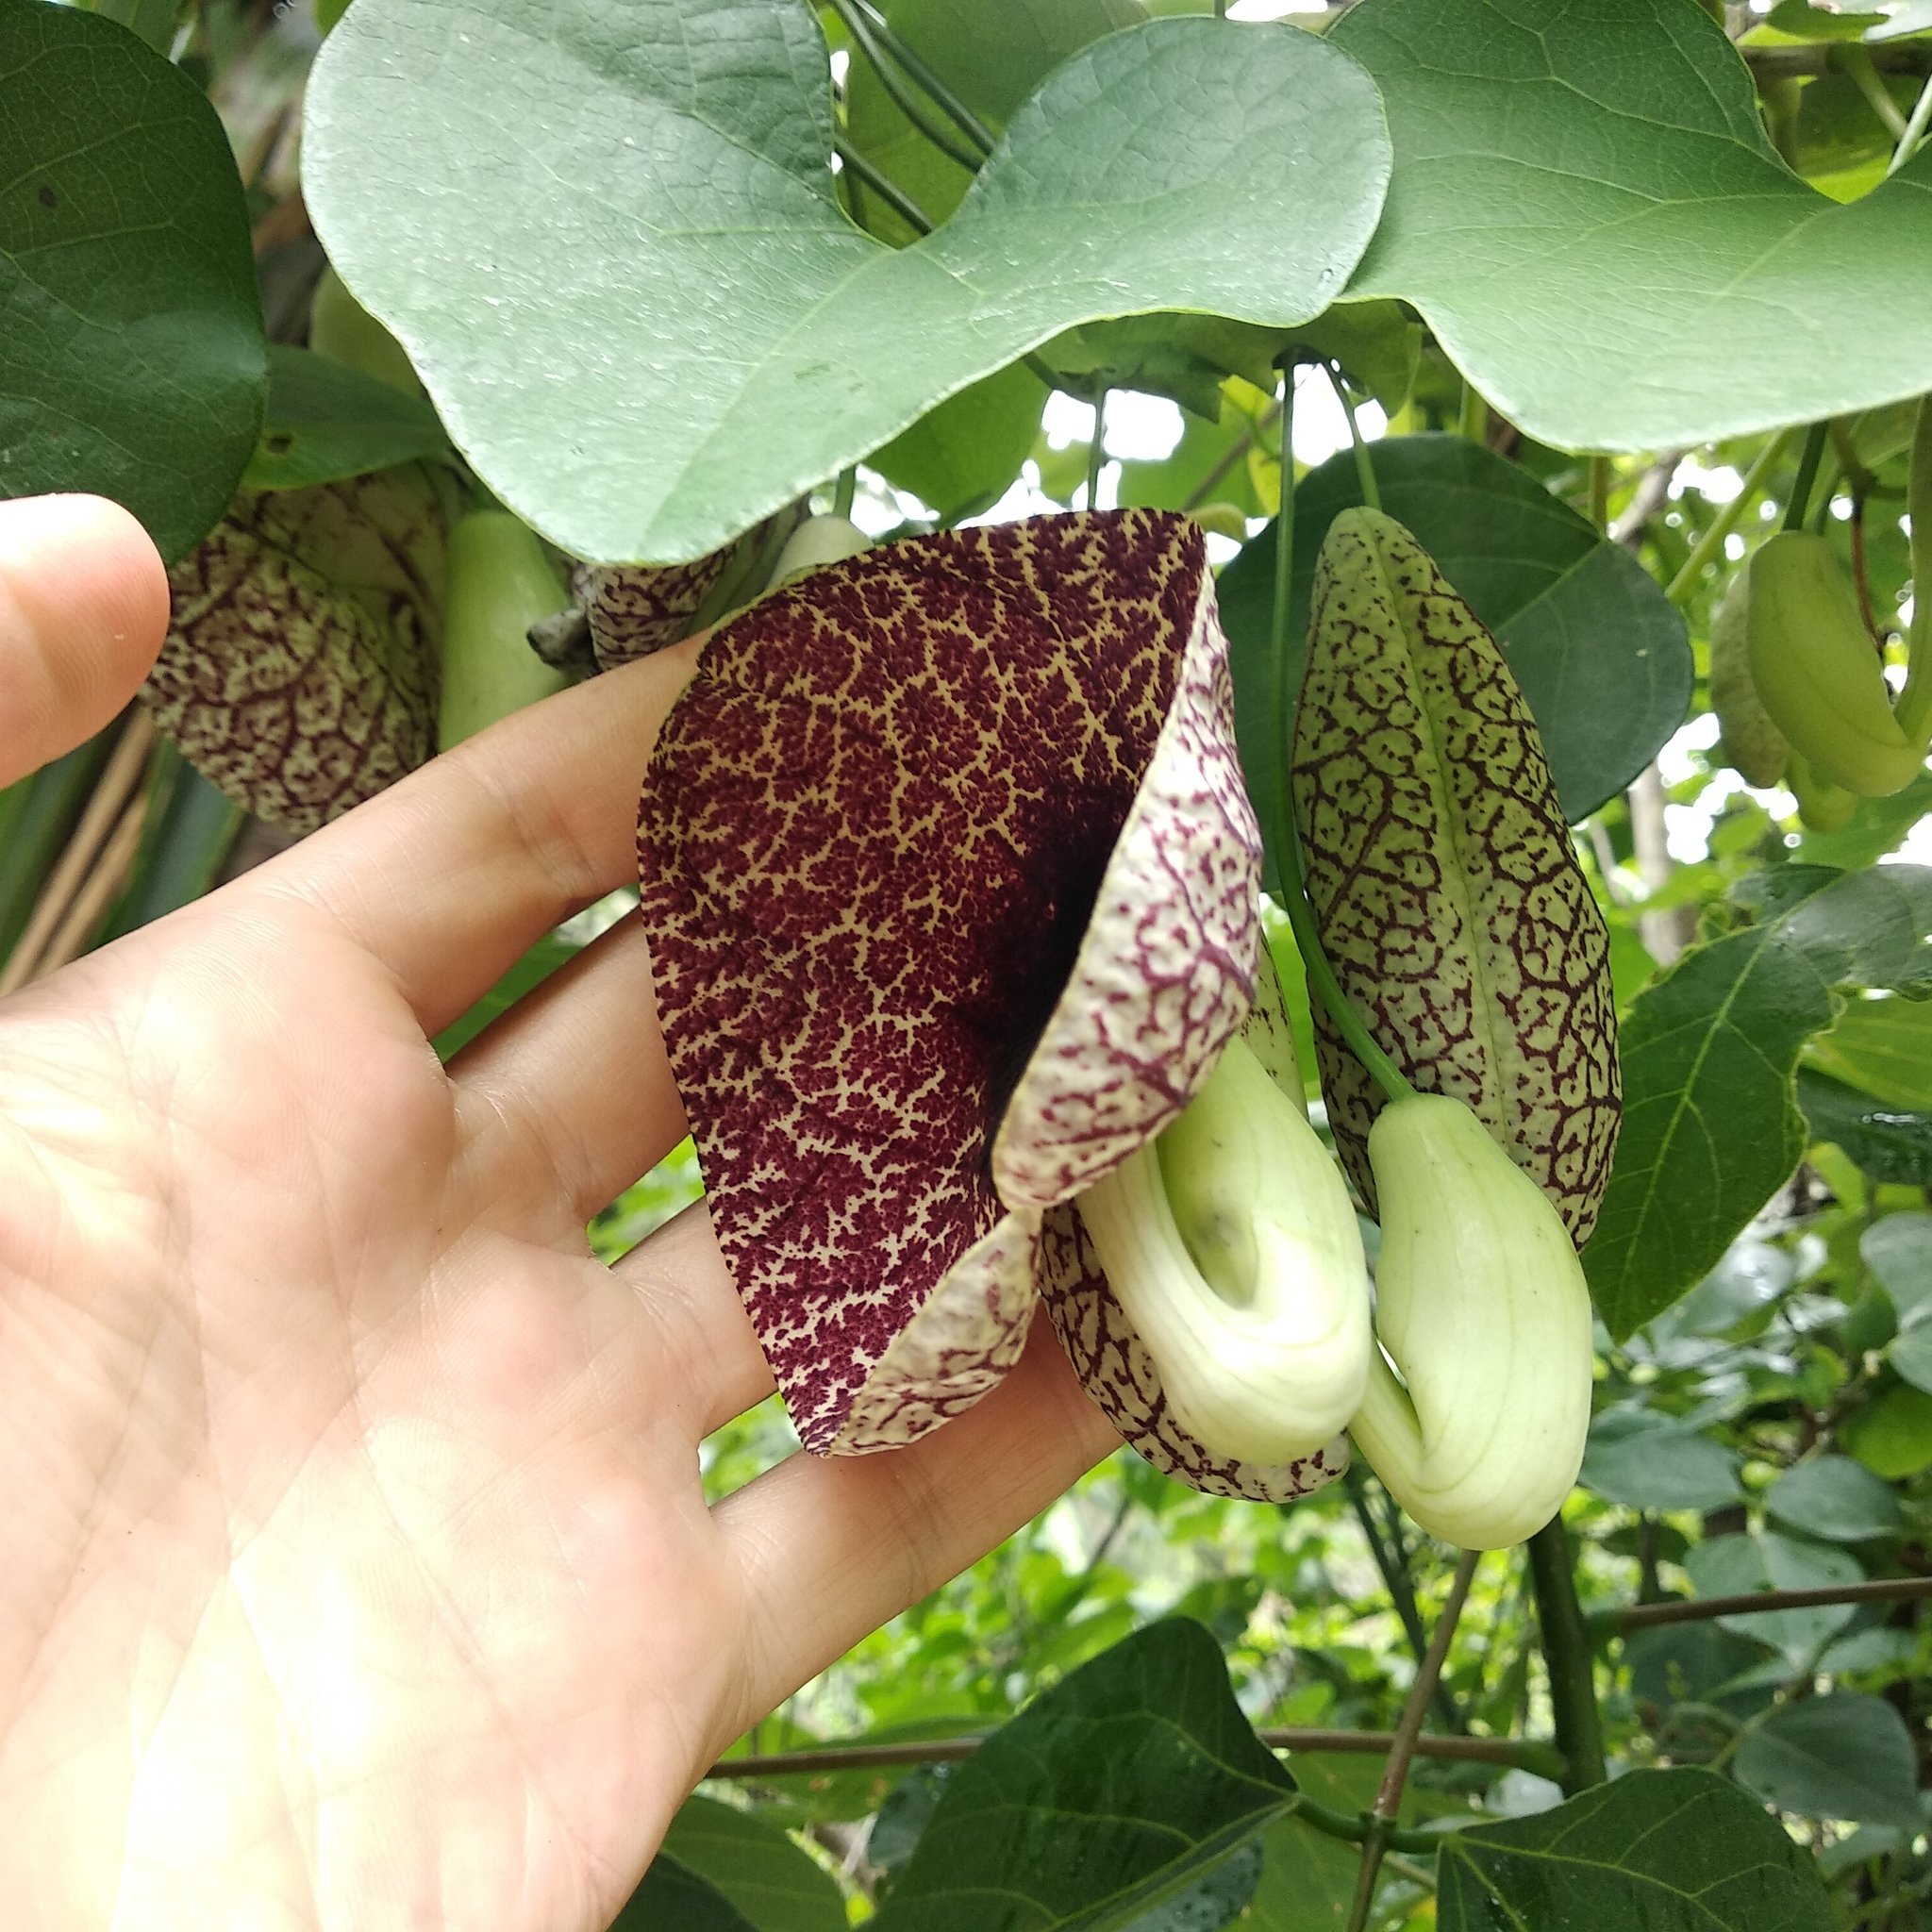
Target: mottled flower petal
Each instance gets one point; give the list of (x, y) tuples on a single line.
[(1443, 874), (1167, 968), (300, 670), (1120, 1375), (635, 608), (872, 834), (1101, 1340)]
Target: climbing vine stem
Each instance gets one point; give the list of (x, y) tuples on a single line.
[(1408, 1730), (1567, 1657)]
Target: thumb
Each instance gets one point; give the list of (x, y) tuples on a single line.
[(83, 613)]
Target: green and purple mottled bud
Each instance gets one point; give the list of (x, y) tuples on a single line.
[(300, 670), (953, 889), (1443, 876)]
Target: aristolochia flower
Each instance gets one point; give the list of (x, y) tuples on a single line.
[(953, 889)]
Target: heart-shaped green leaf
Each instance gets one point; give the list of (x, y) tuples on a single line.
[(1113, 1790), (611, 243), (1587, 210), (135, 358), (1664, 1851)]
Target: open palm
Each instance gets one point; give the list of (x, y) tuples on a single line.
[(355, 1571)]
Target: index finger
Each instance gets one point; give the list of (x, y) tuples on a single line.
[(449, 876)]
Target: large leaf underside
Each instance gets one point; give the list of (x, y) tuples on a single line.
[(609, 238), (1588, 211)]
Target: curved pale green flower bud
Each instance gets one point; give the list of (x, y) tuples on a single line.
[(500, 584), (817, 541), (1232, 1247), (1481, 1303)]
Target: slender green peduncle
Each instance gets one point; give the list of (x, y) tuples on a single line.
[(1364, 468), (1915, 701), (1713, 543), (1808, 474), (1096, 450), (1288, 851)]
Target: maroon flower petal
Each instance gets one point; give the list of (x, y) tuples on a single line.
[(1166, 971), (300, 670), (872, 836)]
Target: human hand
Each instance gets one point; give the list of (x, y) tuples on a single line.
[(357, 1573)]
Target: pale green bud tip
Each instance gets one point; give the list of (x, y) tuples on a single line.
[(1482, 1305), (817, 541), (1233, 1248)]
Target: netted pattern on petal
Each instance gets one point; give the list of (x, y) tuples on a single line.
[(635, 608), (1121, 1377), (957, 1348), (299, 673), (1167, 969), (870, 840), (1443, 876)]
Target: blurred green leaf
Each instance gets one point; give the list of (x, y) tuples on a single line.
[(1883, 1046), (1891, 1434), (1836, 1498), (1651, 1461), (1844, 1754), (1731, 1565)]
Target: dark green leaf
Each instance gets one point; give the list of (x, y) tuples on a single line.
[(1589, 214), (1710, 1043), (1691, 1663), (1218, 1899), (1836, 1498), (647, 331), (758, 1870), (135, 356), (1657, 1851), (1890, 1143), (1731, 1565), (1600, 654), (1841, 1755), (674, 1895), (327, 421), (1716, 1040), (1111, 1793), (1651, 1461)]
